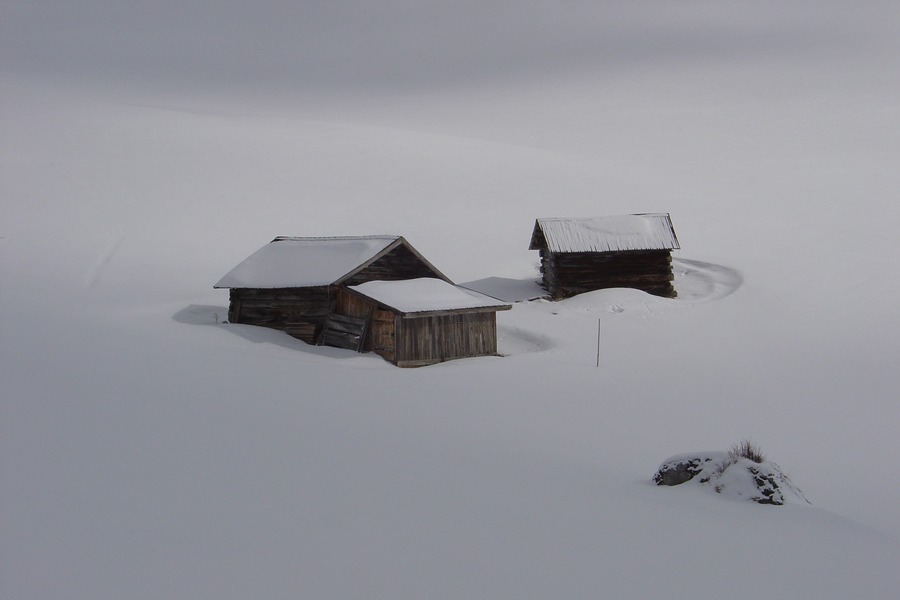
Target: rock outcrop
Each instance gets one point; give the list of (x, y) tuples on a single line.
[(684, 467), (731, 476)]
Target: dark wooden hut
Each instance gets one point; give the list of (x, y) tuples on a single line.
[(291, 283), (581, 255), (422, 321)]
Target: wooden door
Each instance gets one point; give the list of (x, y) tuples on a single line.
[(383, 334)]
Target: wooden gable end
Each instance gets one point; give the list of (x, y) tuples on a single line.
[(399, 261), (538, 241)]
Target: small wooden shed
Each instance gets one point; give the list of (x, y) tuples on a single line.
[(291, 283), (581, 255), (423, 321)]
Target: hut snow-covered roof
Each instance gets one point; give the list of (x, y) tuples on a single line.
[(622, 233), (295, 262), (427, 295)]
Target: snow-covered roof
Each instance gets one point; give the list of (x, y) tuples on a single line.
[(426, 295), (306, 262), (651, 231)]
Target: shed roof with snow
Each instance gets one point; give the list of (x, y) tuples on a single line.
[(620, 233), (428, 296), (297, 262)]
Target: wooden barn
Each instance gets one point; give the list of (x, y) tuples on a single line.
[(421, 321), (291, 283), (581, 255)]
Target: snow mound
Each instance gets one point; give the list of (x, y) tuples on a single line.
[(732, 476)]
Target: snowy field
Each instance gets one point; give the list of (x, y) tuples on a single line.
[(148, 450)]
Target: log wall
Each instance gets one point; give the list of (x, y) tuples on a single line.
[(571, 273), (300, 312)]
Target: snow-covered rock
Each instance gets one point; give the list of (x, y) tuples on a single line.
[(731, 476), (679, 469)]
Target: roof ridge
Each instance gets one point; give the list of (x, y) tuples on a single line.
[(649, 214), (283, 238)]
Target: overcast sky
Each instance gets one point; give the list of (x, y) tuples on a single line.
[(360, 44)]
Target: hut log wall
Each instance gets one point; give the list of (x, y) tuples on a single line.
[(300, 312), (568, 274)]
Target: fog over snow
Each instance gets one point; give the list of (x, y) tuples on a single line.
[(150, 450)]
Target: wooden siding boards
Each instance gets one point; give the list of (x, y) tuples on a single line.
[(578, 256), (341, 331), (382, 326), (425, 340), (383, 337)]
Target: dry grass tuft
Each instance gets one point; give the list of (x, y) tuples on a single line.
[(746, 449)]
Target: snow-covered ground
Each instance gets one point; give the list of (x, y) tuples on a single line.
[(148, 450)]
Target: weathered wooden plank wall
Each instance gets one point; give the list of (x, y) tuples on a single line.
[(382, 341), (571, 273), (356, 306), (430, 339), (352, 305), (345, 332), (299, 311)]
